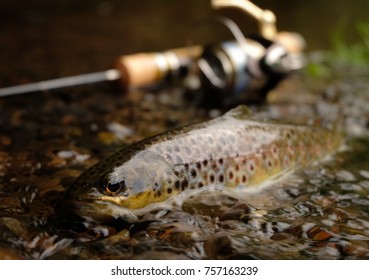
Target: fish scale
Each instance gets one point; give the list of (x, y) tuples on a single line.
[(230, 151)]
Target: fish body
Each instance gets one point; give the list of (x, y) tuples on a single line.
[(231, 151)]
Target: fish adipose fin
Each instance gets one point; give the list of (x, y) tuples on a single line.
[(241, 112)]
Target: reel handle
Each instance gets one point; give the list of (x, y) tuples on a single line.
[(266, 18)]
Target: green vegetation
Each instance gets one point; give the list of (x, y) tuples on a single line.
[(350, 56), (356, 54)]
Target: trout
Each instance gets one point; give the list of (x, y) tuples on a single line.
[(231, 151)]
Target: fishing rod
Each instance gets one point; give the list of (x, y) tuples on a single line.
[(135, 70), (229, 67)]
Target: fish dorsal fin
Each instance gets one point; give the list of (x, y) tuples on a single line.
[(240, 112)]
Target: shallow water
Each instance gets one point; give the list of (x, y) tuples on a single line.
[(320, 212), (46, 140)]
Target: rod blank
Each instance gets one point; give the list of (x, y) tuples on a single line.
[(108, 75)]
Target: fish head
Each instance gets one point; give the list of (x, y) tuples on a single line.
[(109, 190)]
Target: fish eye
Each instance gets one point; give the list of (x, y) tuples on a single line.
[(115, 189)]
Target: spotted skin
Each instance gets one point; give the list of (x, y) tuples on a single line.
[(231, 151)]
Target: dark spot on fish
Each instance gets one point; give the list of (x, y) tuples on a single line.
[(169, 190), (221, 178), (184, 184), (237, 167), (159, 193), (212, 178), (200, 185), (177, 185), (221, 161), (104, 165), (270, 163), (244, 179), (120, 157), (186, 166), (198, 165), (193, 173), (205, 162), (230, 175)]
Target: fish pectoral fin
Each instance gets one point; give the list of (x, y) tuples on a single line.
[(240, 112)]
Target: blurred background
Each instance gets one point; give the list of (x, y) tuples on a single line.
[(42, 39)]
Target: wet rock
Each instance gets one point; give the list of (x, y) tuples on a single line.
[(318, 234)]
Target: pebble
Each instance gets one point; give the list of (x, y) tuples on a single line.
[(119, 130), (72, 154), (65, 154), (345, 175), (364, 173), (350, 187), (361, 201)]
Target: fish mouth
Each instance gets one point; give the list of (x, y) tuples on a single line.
[(117, 200), (96, 200), (102, 209), (97, 203)]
